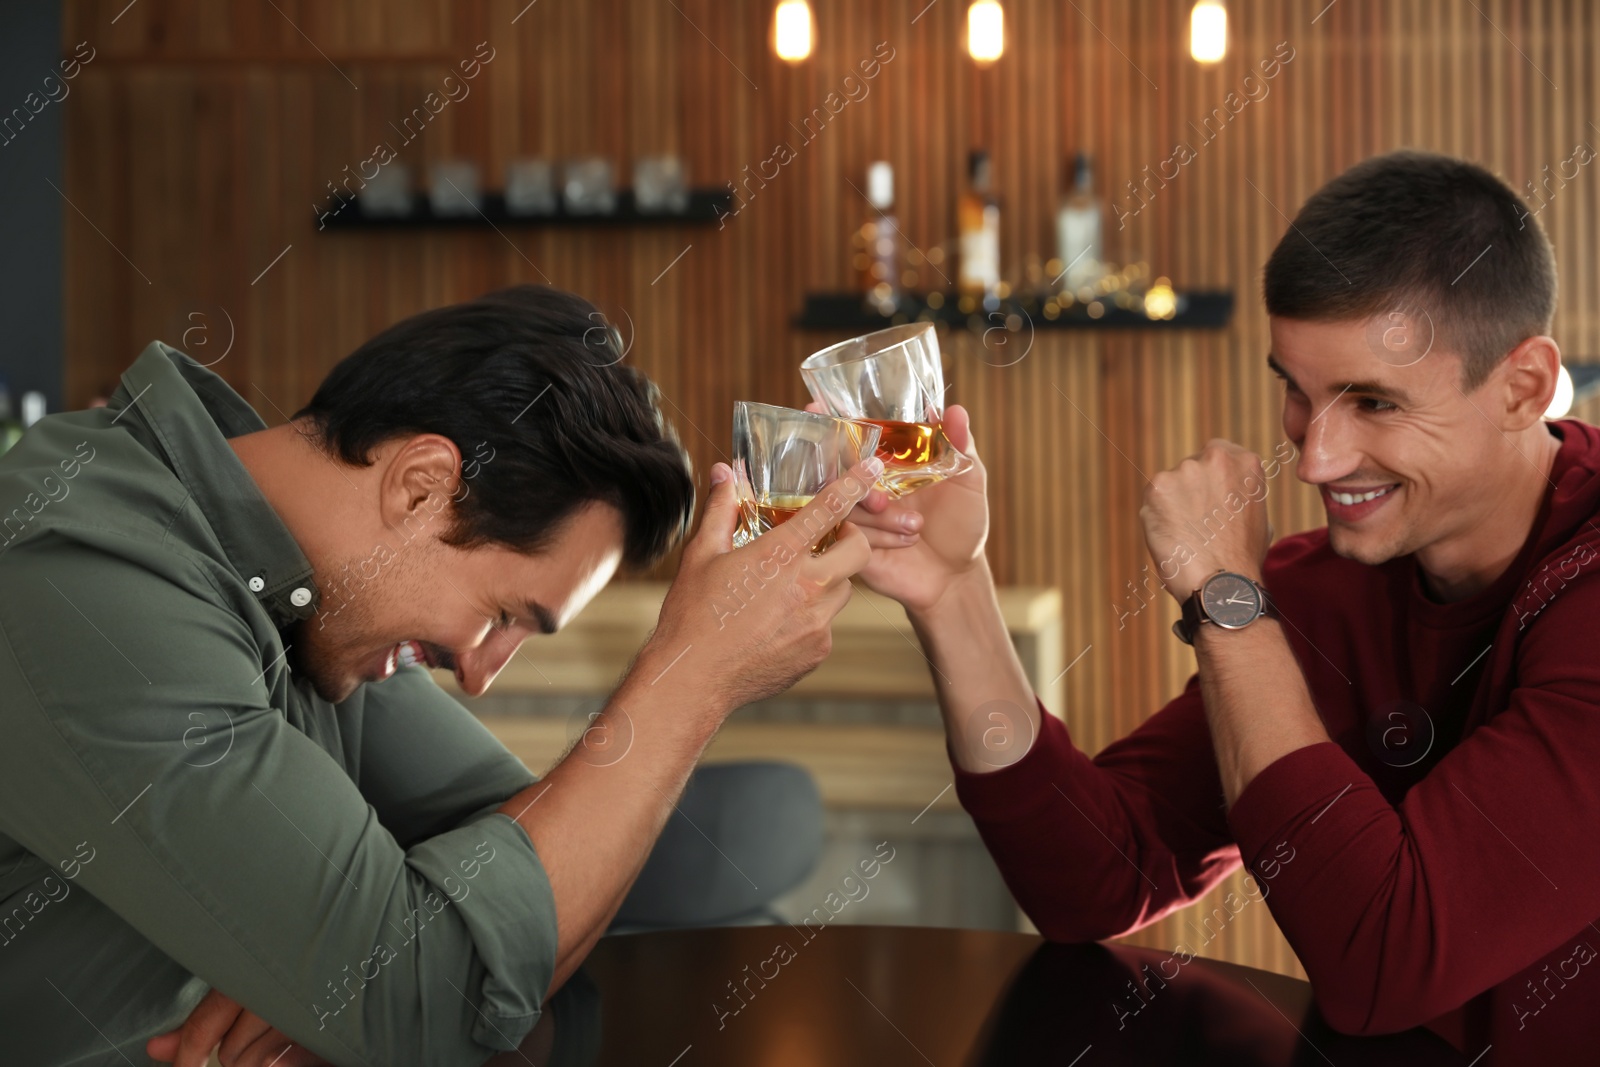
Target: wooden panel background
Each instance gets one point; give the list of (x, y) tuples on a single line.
[(202, 134)]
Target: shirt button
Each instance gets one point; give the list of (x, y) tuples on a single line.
[(257, 584), (300, 597)]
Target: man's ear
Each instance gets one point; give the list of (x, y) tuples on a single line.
[(421, 474), (1529, 376)]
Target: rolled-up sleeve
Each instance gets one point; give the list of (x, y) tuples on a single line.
[(139, 719)]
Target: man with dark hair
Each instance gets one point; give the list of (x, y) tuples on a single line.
[(1400, 741), (224, 764), (1426, 248)]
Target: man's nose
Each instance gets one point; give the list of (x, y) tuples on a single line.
[(477, 667), (1327, 452)]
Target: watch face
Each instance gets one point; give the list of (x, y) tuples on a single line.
[(1231, 600)]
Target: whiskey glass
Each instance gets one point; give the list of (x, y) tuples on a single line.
[(892, 379), (783, 457)]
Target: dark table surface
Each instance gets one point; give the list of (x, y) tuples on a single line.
[(768, 995)]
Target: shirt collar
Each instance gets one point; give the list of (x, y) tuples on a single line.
[(186, 413)]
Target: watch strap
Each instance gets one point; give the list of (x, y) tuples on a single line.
[(1191, 618)]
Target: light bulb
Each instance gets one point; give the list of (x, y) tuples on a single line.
[(1160, 302), (1561, 403), (986, 30), (793, 30), (1208, 31)]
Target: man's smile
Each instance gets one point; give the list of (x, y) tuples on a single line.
[(1354, 503), (408, 653)]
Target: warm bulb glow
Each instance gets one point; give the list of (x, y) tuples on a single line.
[(1208, 31), (793, 29), (1561, 403), (986, 30), (1160, 302)]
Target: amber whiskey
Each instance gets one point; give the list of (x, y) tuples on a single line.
[(915, 455), (756, 519)]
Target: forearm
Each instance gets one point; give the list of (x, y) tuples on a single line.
[(1257, 704), (984, 694), (594, 817)]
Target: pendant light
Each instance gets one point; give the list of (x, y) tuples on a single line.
[(986, 30), (1561, 403), (794, 30), (1208, 31)]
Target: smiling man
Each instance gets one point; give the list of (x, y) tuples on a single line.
[(1399, 734), (223, 764)]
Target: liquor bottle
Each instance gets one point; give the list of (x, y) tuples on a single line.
[(978, 230), (10, 428), (33, 407), (877, 242), (1078, 233)]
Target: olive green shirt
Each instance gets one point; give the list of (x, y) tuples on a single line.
[(179, 810)]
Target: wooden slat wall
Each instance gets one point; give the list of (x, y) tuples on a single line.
[(203, 132)]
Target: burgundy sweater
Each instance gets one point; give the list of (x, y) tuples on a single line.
[(1437, 863)]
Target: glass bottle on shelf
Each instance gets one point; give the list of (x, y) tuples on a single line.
[(877, 243), (33, 408), (1078, 229), (978, 235), (10, 428)]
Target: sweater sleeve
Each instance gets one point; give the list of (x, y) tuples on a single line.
[(1096, 848), (1404, 912)]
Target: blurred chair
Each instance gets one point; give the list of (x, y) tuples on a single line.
[(743, 835)]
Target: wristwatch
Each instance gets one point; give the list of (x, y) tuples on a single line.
[(1230, 600)]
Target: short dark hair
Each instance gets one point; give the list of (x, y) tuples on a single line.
[(1418, 230), (528, 383)]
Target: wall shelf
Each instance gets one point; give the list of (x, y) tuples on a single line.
[(1201, 310), (705, 205)]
